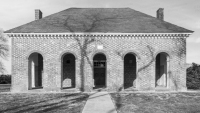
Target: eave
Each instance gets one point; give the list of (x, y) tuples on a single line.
[(64, 35)]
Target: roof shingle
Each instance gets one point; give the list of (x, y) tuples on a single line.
[(105, 20)]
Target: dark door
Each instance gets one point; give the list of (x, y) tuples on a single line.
[(99, 70), (99, 73)]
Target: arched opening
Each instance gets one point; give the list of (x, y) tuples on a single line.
[(130, 71), (161, 69), (68, 71), (35, 70), (99, 70)]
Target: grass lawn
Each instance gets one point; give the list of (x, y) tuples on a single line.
[(43, 102), (157, 102)]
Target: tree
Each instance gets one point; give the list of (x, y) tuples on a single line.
[(193, 76), (87, 23), (4, 50)]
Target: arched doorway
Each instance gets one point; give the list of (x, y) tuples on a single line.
[(99, 70), (68, 71), (130, 71), (35, 70), (161, 69)]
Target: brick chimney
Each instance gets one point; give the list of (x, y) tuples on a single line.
[(160, 13), (38, 14)]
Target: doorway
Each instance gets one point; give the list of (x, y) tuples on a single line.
[(161, 70), (68, 71), (35, 70), (99, 70), (129, 71)]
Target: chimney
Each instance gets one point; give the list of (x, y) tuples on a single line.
[(160, 13), (38, 14)]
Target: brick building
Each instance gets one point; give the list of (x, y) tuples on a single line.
[(83, 49)]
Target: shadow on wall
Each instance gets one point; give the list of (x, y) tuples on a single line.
[(86, 24)]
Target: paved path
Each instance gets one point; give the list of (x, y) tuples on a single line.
[(99, 102)]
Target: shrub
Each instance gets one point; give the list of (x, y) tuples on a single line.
[(5, 79), (193, 76)]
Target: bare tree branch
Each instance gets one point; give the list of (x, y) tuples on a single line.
[(87, 24), (4, 50)]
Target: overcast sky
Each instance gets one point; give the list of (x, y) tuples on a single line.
[(184, 13)]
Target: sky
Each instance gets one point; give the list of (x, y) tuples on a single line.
[(184, 13)]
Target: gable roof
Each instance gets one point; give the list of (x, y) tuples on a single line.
[(103, 20)]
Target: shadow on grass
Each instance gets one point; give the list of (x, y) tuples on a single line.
[(60, 102), (118, 100), (159, 102), (44, 102)]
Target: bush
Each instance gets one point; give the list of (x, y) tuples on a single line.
[(193, 76), (5, 79)]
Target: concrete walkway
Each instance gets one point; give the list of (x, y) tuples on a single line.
[(99, 102)]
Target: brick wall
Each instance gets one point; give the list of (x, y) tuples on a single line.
[(115, 48)]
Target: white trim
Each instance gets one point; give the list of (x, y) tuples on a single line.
[(96, 33), (64, 35)]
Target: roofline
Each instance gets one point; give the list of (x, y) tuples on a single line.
[(99, 34), (182, 30), (96, 33)]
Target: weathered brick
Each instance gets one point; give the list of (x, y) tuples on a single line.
[(115, 48)]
